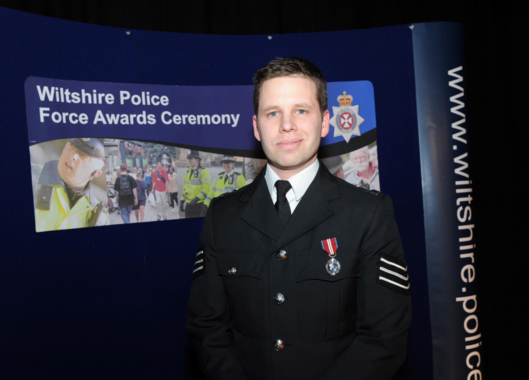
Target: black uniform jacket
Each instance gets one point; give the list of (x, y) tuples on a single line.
[(349, 326)]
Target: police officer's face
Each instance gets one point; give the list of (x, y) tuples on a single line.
[(290, 124), (228, 166), (76, 168), (193, 162)]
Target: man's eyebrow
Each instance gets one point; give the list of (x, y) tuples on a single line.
[(303, 105), (268, 108), (296, 105)]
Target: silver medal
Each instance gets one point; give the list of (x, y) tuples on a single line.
[(333, 266)]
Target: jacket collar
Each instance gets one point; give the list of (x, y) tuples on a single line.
[(50, 174)]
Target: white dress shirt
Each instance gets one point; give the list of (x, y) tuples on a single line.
[(299, 182)]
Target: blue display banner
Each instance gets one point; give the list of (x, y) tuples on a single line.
[(130, 284), (217, 117)]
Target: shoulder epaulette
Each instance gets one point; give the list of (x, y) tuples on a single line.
[(44, 197), (376, 193), (224, 194)]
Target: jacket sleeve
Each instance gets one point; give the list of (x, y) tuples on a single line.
[(211, 194), (383, 302), (206, 185), (183, 197), (208, 313)]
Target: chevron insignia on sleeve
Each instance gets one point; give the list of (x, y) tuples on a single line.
[(393, 273), (200, 264)]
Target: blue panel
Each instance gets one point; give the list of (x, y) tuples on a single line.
[(112, 300)]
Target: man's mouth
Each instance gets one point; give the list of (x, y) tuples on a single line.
[(68, 166), (289, 143)]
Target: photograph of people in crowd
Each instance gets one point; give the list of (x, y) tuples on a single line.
[(170, 182)]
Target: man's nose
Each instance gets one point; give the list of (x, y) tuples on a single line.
[(288, 123)]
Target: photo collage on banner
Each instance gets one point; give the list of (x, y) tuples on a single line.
[(170, 182)]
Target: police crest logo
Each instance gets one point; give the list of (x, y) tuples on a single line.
[(346, 119)]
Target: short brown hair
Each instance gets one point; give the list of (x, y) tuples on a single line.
[(291, 67), (123, 167)]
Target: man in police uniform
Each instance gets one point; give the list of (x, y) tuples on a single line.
[(197, 184), (227, 181), (299, 275), (65, 196)]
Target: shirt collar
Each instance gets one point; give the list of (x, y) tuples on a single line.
[(299, 182)]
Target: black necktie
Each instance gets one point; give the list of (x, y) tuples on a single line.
[(282, 206)]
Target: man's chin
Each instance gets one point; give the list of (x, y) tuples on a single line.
[(288, 165), (67, 179)]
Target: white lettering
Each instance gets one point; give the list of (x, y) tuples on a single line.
[(465, 300), (123, 95), (470, 273), (235, 119), (44, 112)]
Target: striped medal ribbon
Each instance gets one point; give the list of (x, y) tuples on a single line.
[(331, 246)]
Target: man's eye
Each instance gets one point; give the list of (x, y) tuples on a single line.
[(301, 112), (273, 114)]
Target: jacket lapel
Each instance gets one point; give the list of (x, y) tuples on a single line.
[(310, 212), (313, 208), (260, 212)]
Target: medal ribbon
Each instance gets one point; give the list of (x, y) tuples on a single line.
[(330, 246)]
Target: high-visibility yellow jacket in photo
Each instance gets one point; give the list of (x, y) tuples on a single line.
[(53, 210), (225, 183), (197, 183)]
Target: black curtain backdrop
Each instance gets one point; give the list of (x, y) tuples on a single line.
[(495, 40)]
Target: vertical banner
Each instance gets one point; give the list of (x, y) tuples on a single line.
[(447, 200)]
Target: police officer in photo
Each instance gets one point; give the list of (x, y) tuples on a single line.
[(227, 181), (197, 184), (65, 196), (299, 275)]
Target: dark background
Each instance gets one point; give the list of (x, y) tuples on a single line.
[(493, 87)]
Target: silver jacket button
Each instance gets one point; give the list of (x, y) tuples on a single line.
[(282, 255), (279, 298), (232, 271), (279, 345)]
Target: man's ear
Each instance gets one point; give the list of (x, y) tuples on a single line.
[(325, 123), (256, 128)]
